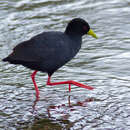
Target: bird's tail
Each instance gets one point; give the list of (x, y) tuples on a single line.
[(6, 59), (9, 58)]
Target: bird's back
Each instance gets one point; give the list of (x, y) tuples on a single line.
[(45, 52)]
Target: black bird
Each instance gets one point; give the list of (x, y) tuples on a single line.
[(49, 51)]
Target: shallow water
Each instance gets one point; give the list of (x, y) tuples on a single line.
[(103, 63)]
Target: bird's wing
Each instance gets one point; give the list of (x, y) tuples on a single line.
[(33, 50), (41, 48), (25, 51)]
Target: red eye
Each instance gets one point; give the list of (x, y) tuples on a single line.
[(84, 27)]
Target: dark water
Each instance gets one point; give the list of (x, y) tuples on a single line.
[(103, 63)]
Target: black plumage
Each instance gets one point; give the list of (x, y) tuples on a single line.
[(48, 51)]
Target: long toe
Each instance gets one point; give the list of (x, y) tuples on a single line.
[(81, 85)]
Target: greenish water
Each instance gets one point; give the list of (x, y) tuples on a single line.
[(103, 63)]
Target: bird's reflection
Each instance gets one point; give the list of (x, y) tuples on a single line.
[(34, 109), (69, 105)]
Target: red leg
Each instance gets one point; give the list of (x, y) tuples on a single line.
[(69, 87), (35, 85), (69, 82)]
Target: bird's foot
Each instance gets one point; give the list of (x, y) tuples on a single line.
[(70, 82)]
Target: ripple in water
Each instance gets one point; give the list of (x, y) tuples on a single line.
[(102, 63)]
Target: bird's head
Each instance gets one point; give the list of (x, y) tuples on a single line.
[(80, 27)]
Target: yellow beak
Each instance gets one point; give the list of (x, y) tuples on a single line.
[(91, 32)]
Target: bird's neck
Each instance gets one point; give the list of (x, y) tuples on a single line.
[(76, 45), (75, 37)]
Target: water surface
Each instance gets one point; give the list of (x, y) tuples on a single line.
[(103, 63)]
